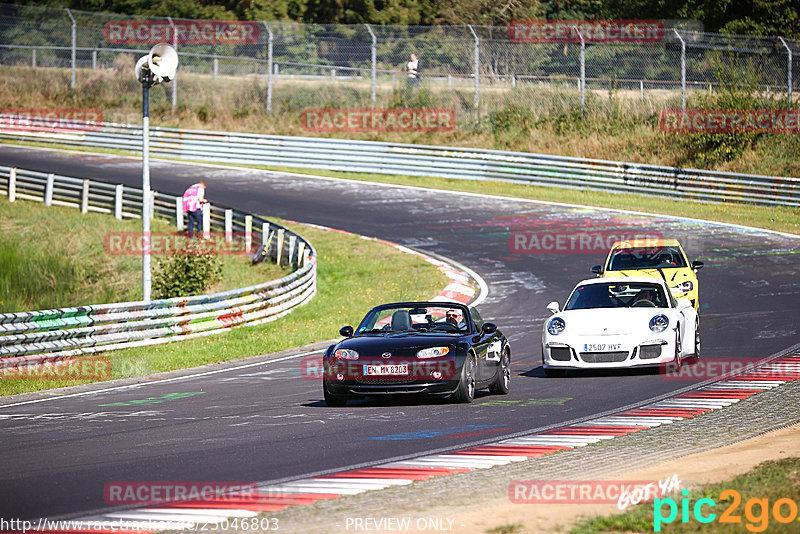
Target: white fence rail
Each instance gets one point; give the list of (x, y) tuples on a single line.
[(449, 162), (51, 334)]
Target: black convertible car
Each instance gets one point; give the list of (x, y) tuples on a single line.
[(437, 348)]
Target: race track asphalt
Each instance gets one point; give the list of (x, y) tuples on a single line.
[(267, 423)]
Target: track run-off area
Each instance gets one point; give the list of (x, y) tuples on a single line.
[(264, 422)]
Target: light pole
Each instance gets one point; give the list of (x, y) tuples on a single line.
[(158, 66)]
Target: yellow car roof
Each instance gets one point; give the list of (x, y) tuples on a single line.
[(654, 242)]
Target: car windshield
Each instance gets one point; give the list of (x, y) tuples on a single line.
[(617, 295), (657, 257), (423, 318)]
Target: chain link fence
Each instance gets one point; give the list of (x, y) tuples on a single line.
[(471, 69)]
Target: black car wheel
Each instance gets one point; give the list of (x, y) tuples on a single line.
[(503, 379), (466, 386), (678, 359), (333, 401), (697, 340)]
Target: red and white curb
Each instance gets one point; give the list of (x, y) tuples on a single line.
[(278, 497)]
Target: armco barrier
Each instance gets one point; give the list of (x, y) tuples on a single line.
[(449, 162), (50, 334)]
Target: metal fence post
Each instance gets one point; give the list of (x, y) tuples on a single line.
[(94, 59), (179, 212), (216, 67), (85, 197), (74, 46), (264, 233), (228, 225), (374, 61), (206, 220), (292, 243), (48, 190), (476, 68), (279, 254), (33, 58), (248, 233), (12, 184), (788, 70), (175, 78), (683, 69), (582, 82), (118, 201), (269, 67)]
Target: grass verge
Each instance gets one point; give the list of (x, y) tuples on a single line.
[(750, 500), (530, 117), (55, 257), (354, 274)]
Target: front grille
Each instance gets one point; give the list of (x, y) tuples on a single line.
[(604, 357), (560, 354), (648, 352), (384, 381)]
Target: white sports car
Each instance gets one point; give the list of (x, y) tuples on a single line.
[(619, 322)]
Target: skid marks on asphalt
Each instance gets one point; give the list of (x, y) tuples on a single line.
[(267, 374)]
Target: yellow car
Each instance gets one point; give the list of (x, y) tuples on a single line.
[(659, 258)]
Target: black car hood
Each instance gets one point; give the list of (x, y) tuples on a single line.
[(377, 343)]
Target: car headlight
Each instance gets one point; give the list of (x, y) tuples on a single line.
[(685, 287), (433, 352), (346, 354), (556, 326), (659, 323)]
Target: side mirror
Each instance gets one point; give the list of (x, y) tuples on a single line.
[(553, 307), (697, 264), (597, 269), (489, 328), (684, 303), (346, 331)]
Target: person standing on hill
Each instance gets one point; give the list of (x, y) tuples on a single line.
[(193, 199), (413, 72)]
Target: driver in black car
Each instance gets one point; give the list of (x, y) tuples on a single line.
[(454, 317)]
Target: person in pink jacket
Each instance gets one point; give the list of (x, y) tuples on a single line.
[(193, 200)]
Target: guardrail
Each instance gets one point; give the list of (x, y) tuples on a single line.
[(421, 160), (50, 334)]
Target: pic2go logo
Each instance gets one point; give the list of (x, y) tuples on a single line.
[(756, 511)]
